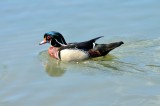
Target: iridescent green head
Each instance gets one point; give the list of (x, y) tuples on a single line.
[(54, 38)]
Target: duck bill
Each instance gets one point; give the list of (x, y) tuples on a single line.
[(43, 42)]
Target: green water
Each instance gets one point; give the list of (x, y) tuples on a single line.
[(128, 76)]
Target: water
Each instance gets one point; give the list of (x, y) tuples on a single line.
[(129, 76)]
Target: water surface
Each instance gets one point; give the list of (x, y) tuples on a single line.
[(128, 76)]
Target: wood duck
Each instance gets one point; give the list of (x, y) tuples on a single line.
[(77, 51)]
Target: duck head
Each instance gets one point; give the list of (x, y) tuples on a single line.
[(54, 38)]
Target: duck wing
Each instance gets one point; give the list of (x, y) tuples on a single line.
[(86, 45)]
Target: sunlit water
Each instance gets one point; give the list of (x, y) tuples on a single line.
[(128, 76)]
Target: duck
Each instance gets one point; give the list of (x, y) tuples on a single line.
[(77, 51)]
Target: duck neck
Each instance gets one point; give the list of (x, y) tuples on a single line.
[(58, 41)]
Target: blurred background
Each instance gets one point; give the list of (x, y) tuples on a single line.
[(128, 76)]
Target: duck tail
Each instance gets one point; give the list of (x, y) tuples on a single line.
[(103, 49)]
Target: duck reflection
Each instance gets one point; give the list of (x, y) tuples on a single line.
[(56, 68), (53, 67)]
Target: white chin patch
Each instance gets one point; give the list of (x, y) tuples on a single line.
[(50, 41)]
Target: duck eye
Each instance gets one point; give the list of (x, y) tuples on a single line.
[(48, 37)]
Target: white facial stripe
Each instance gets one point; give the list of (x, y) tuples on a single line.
[(60, 43)]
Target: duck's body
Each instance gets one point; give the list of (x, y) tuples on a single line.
[(60, 50), (72, 54)]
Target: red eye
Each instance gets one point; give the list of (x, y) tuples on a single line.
[(48, 37)]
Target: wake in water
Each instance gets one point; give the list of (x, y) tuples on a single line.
[(140, 57)]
